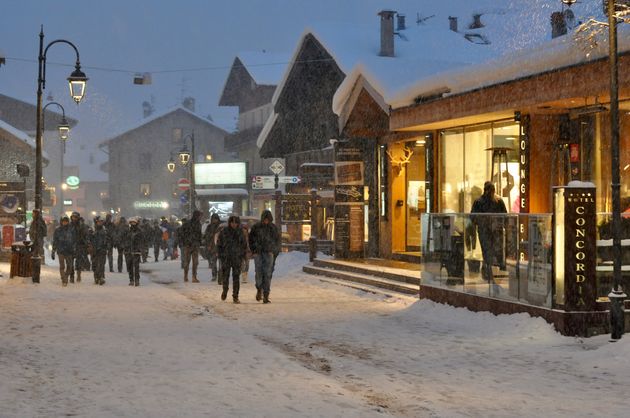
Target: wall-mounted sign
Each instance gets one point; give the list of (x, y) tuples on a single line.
[(150, 204), (220, 173), (67, 202), (73, 182), (223, 209)]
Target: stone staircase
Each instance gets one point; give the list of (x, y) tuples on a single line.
[(379, 274)]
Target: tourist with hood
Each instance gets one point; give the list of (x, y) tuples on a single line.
[(232, 249), (63, 245), (99, 244), (132, 243), (211, 247), (81, 232), (264, 243), (191, 240), (109, 229)]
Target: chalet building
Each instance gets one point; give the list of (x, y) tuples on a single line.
[(21, 116), (531, 121), (139, 181), (250, 86)]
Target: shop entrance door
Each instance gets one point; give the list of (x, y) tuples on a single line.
[(416, 195)]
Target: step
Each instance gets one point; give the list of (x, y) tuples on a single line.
[(366, 279), (395, 274)]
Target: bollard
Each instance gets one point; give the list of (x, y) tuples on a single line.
[(617, 317)]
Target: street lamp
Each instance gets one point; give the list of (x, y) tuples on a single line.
[(186, 157), (77, 83), (63, 129)]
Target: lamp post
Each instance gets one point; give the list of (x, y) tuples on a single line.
[(63, 129), (77, 82), (185, 158)]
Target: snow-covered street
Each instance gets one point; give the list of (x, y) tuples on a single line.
[(319, 349)]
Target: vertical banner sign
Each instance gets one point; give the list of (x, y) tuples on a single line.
[(523, 200), (579, 246), (349, 204)]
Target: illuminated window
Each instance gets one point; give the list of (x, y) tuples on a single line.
[(145, 189)]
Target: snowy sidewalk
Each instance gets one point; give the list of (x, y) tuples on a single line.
[(319, 349)]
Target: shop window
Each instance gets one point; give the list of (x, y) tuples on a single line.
[(145, 189), (383, 181)]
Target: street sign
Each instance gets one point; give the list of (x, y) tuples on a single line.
[(276, 167), (289, 179), (263, 182), (183, 184), (183, 199)]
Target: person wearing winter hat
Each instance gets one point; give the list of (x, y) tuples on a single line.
[(264, 243), (132, 243), (63, 245), (98, 245), (191, 239)]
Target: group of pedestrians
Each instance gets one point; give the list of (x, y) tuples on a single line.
[(228, 248)]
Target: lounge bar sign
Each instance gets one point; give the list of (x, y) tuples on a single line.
[(523, 198), (576, 223)]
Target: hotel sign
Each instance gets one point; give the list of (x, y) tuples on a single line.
[(575, 247)]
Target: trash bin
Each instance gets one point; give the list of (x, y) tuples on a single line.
[(21, 259)]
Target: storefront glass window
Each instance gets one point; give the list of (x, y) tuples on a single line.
[(451, 170)]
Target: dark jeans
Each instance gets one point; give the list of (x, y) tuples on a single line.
[(133, 266), (491, 249), (213, 264), (65, 266), (156, 251), (120, 259), (263, 263), (191, 252), (235, 266), (98, 265), (110, 258)]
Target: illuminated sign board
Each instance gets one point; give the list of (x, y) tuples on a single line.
[(220, 173), (150, 204), (67, 202), (223, 209), (73, 182)]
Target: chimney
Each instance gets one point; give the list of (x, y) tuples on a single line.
[(387, 33), (558, 25), (189, 103), (476, 22), (452, 23), (400, 22)]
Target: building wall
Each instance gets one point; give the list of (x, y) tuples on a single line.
[(140, 157), (13, 153)]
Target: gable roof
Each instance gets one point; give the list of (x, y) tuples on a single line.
[(157, 116), (20, 137), (21, 115), (264, 67)]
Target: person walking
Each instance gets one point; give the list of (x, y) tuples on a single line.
[(99, 244), (110, 230), (157, 240), (63, 245), (489, 228), (264, 243), (211, 246), (37, 232), (81, 261), (191, 240), (132, 243), (232, 249)]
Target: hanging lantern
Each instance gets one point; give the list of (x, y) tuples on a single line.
[(64, 129), (77, 82), (171, 165), (184, 155)]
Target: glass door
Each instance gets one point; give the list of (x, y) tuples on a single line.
[(416, 194)]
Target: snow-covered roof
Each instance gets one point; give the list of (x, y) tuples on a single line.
[(156, 116), (432, 58), (17, 133), (264, 67)]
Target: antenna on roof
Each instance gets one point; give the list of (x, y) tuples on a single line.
[(421, 19)]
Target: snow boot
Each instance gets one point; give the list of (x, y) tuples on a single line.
[(137, 283), (266, 298), (186, 277), (224, 294), (130, 282), (258, 295), (235, 299), (194, 280)]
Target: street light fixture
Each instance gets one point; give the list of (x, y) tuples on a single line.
[(171, 165), (63, 127), (77, 82), (185, 157)]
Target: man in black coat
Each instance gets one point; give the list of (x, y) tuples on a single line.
[(264, 243), (191, 240), (489, 228), (209, 242), (63, 245), (232, 249), (132, 244), (81, 231), (110, 230), (99, 244)]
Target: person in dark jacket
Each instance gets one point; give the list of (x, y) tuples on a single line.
[(99, 245), (157, 240), (37, 232), (191, 240), (264, 243), (110, 230), (232, 249), (81, 261), (132, 243), (147, 238), (489, 228), (211, 247), (63, 245)]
